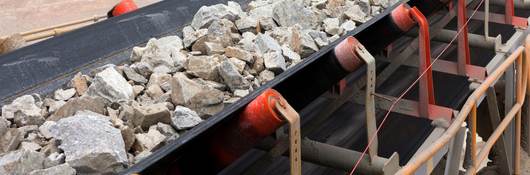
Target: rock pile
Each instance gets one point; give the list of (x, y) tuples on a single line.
[(106, 120)]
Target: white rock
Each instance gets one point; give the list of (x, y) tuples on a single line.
[(240, 65), (290, 54), (289, 13), (110, 85), (348, 25), (331, 25), (63, 169), (149, 141), (274, 61), (184, 118), (207, 14), (24, 110), (64, 95), (241, 93), (266, 76), (90, 143)]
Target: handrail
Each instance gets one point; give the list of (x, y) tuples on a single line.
[(471, 104)]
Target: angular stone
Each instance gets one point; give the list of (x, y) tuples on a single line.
[(30, 146), (213, 48), (258, 65), (10, 140), (274, 61), (152, 114), (94, 104), (289, 13), (266, 76), (110, 85), (203, 67), (52, 104), (320, 38), (4, 125), (44, 129), (54, 159), (265, 43), (290, 54), (348, 25), (207, 103), (266, 24), (220, 31), (207, 14), (64, 95), (183, 89), (356, 14), (24, 111), (21, 162), (287, 36), (149, 141), (231, 76), (137, 89), (91, 144), (131, 74), (211, 84), (143, 68), (127, 134), (239, 54), (63, 169), (240, 65), (308, 45), (184, 118), (79, 82), (331, 26), (241, 93), (247, 24), (164, 129), (154, 91), (159, 51)]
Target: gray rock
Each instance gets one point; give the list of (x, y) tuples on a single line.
[(64, 95), (220, 31), (183, 89), (308, 45), (131, 74), (348, 25), (149, 141), (274, 61), (10, 140), (191, 35), (203, 67), (54, 159), (267, 23), (247, 24), (247, 42), (207, 103), (241, 92), (63, 169), (320, 38), (52, 104), (164, 129), (143, 68), (44, 129), (152, 114), (24, 110), (207, 14), (266, 76), (240, 65), (30, 146), (258, 65), (154, 91), (184, 118), (127, 133), (110, 85), (159, 51), (331, 26), (289, 13), (21, 162), (356, 14), (231, 76), (265, 43), (290, 54), (239, 54), (91, 144), (94, 104)]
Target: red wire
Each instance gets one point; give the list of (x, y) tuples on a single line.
[(410, 87)]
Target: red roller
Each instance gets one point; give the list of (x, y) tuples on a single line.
[(125, 6), (257, 121)]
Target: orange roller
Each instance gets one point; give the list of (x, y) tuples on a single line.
[(257, 121), (125, 6)]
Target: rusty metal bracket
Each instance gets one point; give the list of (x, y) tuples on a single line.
[(291, 116)]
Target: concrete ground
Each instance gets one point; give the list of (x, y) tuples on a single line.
[(24, 15)]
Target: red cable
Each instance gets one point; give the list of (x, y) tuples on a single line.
[(410, 87)]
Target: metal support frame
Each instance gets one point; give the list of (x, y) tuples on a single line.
[(463, 43), (291, 116)]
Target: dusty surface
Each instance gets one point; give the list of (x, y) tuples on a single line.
[(24, 15)]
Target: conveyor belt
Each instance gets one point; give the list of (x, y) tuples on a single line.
[(45, 66)]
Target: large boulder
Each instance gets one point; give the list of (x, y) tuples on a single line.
[(24, 111), (91, 144)]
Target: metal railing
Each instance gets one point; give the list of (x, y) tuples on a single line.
[(470, 110)]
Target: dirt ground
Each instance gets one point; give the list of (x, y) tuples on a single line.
[(25, 15)]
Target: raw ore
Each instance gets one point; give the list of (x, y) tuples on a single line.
[(114, 116)]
